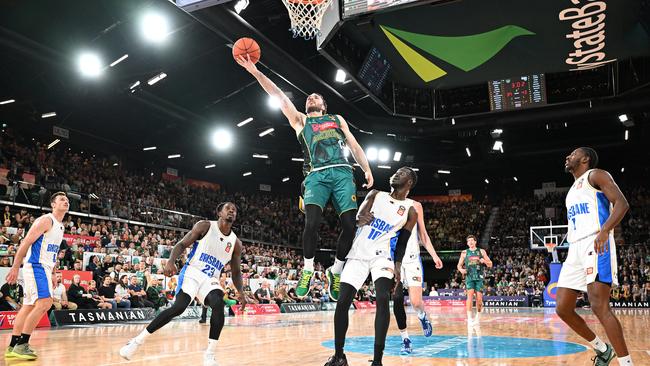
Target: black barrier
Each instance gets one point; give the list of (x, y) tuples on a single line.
[(92, 316), (299, 308)]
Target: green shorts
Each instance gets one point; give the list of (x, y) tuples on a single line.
[(337, 183), (474, 285)]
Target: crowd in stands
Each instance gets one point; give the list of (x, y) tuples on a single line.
[(119, 281)]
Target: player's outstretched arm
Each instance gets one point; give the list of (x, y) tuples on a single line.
[(296, 119), (198, 231), (357, 152), (604, 181), (41, 225), (423, 235), (485, 259)]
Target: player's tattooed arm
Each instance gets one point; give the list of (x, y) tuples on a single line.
[(365, 216), (485, 259), (198, 232)]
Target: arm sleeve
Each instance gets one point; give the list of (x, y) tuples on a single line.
[(400, 247)]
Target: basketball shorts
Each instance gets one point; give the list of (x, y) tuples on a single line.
[(196, 283), (412, 273), (37, 281), (584, 266), (336, 183), (476, 285), (356, 271)]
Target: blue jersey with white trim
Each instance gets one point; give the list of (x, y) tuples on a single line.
[(378, 238), (587, 209), (46, 248), (210, 254)]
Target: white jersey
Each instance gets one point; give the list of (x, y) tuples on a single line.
[(412, 253), (45, 249), (210, 254), (378, 239), (587, 209)]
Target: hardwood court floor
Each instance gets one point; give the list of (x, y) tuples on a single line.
[(505, 335)]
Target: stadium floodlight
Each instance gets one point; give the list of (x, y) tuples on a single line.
[(623, 117), (7, 101), (498, 145), (149, 148), (340, 76), (444, 172), (247, 174), (371, 153), (154, 27), (245, 122), (210, 166), (273, 102), (90, 65), (157, 78), (469, 153), (124, 57), (241, 5), (397, 156), (222, 139), (266, 132), (285, 179), (383, 154), (173, 156), (48, 115)]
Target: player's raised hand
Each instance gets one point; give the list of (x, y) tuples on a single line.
[(398, 278), (463, 271), (369, 180), (600, 242), (170, 269), (246, 63)]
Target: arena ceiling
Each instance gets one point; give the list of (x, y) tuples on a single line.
[(204, 90)]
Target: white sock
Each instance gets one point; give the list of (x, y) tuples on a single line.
[(422, 314), (309, 265), (469, 315), (337, 268), (625, 361), (404, 333), (140, 338), (598, 344), (212, 345), (478, 316)]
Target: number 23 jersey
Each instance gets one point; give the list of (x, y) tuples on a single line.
[(210, 254)]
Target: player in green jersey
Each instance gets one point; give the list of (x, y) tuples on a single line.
[(324, 139), (473, 259)]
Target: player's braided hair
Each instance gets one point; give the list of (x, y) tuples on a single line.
[(414, 176), (223, 204), (592, 155)]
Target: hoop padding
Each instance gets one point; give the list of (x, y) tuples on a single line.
[(306, 16)]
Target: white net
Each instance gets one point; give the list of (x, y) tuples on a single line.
[(306, 16)]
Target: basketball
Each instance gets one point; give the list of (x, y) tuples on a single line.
[(247, 46)]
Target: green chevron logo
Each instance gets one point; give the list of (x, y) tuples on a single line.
[(464, 52)]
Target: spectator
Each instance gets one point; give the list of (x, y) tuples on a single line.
[(263, 294), (59, 296), (433, 291), (122, 292), (100, 302), (155, 294), (12, 296), (137, 295), (5, 262), (282, 295), (79, 295)]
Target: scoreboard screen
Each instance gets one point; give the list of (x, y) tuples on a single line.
[(357, 7), (517, 93)]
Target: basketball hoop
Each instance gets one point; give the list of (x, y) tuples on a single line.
[(550, 246), (306, 16)]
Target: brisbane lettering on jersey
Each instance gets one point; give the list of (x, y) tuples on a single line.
[(53, 248), (577, 209), (212, 264), (378, 226)]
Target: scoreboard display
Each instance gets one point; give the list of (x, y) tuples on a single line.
[(517, 93)]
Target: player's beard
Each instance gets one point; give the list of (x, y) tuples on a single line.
[(314, 108)]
